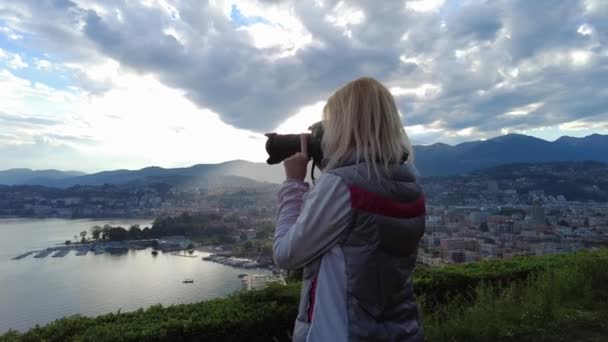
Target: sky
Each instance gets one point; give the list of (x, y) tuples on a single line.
[(94, 85)]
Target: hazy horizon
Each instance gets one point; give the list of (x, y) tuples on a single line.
[(252, 161), (101, 85)]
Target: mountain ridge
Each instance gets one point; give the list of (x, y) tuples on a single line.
[(438, 159)]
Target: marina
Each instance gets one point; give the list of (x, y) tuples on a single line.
[(82, 252), (184, 255), (251, 282), (21, 256), (176, 245), (61, 253), (38, 291), (234, 262), (43, 254)]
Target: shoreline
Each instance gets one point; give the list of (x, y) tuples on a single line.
[(78, 218)]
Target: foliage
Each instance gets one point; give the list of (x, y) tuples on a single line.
[(555, 297), (558, 304), (207, 227), (254, 249)]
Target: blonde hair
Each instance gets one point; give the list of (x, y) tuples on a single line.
[(362, 118)]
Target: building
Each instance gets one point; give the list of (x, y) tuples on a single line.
[(537, 213)]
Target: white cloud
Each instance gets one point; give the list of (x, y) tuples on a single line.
[(12, 60), (580, 57), (279, 28), (10, 34), (425, 91), (585, 30), (584, 125), (344, 17), (466, 132), (434, 127), (300, 121), (42, 64), (138, 119), (524, 110), (424, 5), (268, 36), (595, 5)]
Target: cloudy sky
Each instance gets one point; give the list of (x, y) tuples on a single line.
[(104, 84)]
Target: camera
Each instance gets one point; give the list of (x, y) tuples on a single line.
[(283, 146)]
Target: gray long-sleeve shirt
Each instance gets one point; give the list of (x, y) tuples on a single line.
[(309, 224), (356, 237)]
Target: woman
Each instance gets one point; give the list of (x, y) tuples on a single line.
[(356, 232)]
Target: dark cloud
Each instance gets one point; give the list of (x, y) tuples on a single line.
[(488, 57)]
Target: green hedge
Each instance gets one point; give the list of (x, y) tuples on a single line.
[(268, 314), (442, 283)]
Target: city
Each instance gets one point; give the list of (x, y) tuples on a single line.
[(491, 214)]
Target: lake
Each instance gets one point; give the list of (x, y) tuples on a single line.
[(37, 291)]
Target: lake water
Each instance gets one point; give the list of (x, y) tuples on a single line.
[(37, 291)]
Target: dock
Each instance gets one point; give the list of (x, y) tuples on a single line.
[(234, 262), (21, 256), (185, 255), (259, 281), (61, 253), (43, 253)]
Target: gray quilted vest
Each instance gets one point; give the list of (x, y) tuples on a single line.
[(380, 249)]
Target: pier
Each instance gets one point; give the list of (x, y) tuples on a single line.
[(44, 253), (234, 262), (259, 281), (82, 252), (18, 257), (61, 253), (176, 245)]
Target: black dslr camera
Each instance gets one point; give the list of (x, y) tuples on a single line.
[(283, 146)]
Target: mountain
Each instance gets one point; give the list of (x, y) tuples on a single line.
[(28, 176), (434, 160), (442, 159), (201, 175)]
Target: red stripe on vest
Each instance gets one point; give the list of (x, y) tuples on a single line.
[(371, 202), (311, 298)]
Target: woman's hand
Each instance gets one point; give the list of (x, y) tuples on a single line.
[(295, 166)]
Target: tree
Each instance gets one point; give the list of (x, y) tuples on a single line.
[(117, 234), (248, 247), (96, 232), (83, 235), (68, 242), (135, 232)]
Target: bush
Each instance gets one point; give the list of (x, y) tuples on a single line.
[(560, 303)]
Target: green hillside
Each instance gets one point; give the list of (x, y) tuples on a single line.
[(548, 298)]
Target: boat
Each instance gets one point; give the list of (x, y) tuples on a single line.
[(154, 252), (188, 281)]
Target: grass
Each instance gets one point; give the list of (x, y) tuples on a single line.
[(559, 304)]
